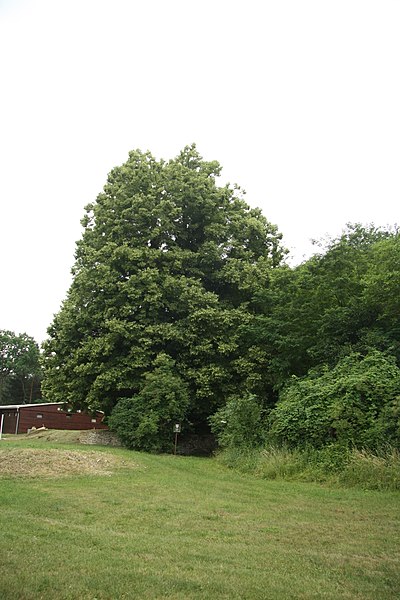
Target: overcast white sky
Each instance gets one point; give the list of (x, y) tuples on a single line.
[(299, 100)]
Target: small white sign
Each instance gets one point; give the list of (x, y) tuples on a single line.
[(177, 428)]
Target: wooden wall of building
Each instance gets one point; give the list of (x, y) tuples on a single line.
[(52, 416), (10, 420)]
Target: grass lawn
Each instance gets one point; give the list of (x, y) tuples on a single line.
[(154, 527)]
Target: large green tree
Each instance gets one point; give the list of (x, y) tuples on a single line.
[(166, 266)]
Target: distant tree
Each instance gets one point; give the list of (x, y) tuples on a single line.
[(165, 267), (20, 371)]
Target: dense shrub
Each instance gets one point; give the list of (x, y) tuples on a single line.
[(145, 421), (354, 404), (240, 423)]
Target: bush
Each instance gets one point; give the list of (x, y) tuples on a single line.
[(240, 423), (145, 421), (354, 404)]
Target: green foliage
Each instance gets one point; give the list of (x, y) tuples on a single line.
[(240, 423), (146, 420), (381, 295), (355, 403), (20, 371), (170, 264), (166, 264), (342, 300)]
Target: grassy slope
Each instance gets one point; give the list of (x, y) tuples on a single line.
[(186, 528)]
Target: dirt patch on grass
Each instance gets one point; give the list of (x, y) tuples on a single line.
[(37, 463)]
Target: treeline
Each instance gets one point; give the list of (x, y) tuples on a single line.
[(332, 328), (182, 308)]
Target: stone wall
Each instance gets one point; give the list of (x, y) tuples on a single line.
[(99, 438)]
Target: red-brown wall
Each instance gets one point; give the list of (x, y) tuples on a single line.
[(52, 416), (10, 420)]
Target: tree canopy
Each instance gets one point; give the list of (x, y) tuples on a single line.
[(165, 271), (182, 308)]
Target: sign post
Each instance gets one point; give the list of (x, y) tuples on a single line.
[(177, 429)]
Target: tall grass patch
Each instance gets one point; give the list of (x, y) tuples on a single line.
[(379, 471), (333, 464)]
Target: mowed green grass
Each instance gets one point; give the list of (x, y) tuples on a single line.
[(187, 528)]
